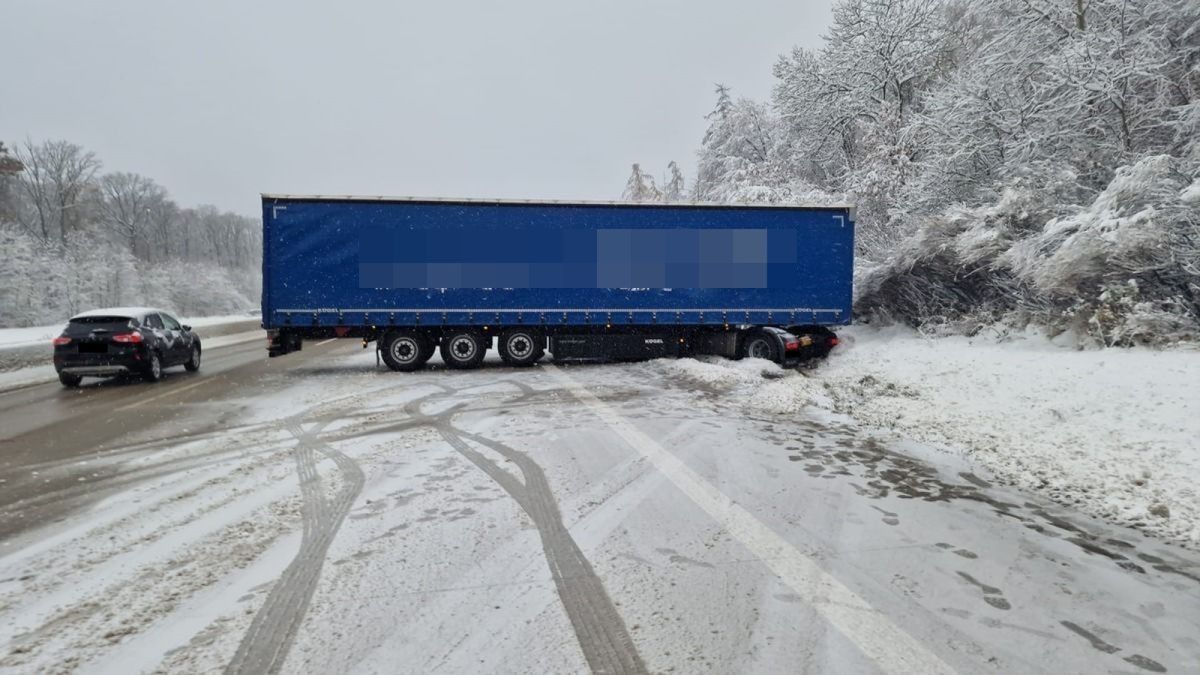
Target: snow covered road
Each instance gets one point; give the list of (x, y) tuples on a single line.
[(315, 514)]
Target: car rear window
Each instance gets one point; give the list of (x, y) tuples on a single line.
[(87, 324)]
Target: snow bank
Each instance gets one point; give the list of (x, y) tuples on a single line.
[(760, 384), (1111, 432)]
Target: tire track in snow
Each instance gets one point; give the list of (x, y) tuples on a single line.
[(266, 643), (599, 628), (887, 644)]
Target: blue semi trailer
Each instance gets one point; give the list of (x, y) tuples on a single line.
[(581, 280)]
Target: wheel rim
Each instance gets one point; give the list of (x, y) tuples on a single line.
[(155, 366), (759, 349), (462, 348), (195, 357), (404, 350), (520, 346)]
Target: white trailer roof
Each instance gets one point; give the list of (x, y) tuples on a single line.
[(553, 202)]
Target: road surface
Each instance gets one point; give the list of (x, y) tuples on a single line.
[(314, 513)]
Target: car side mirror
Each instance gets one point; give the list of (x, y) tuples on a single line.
[(187, 328)]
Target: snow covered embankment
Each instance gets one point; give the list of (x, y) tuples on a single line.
[(1114, 433)]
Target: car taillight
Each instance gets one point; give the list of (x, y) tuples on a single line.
[(793, 345), (127, 337), (833, 341), (61, 341)]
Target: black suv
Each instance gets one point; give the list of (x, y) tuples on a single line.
[(107, 342)]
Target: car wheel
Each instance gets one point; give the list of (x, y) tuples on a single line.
[(463, 350), (403, 350), (759, 345), (68, 380), (153, 371), (193, 363), (521, 347)]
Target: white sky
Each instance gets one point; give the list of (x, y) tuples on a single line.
[(221, 100)]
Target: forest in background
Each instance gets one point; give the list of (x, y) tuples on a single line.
[(1015, 163), (75, 238)]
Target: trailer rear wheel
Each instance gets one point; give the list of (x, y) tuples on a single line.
[(759, 345), (463, 349), (520, 347), (402, 350)]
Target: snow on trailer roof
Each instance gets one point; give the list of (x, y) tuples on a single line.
[(551, 202), (130, 312)]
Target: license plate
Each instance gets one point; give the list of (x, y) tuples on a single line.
[(93, 348)]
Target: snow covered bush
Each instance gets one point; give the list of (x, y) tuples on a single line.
[(1121, 270)]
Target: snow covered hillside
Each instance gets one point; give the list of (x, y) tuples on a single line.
[(1109, 432), (75, 239), (1014, 163)]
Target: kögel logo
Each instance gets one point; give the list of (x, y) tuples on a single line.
[(654, 341)]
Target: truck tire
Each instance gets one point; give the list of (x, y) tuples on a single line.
[(463, 349), (521, 347), (759, 345), (402, 350)]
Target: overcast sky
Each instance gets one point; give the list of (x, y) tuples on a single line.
[(221, 100)]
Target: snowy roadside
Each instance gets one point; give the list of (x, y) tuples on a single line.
[(1110, 432)]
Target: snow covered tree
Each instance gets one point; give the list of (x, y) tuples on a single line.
[(675, 189), (9, 168), (739, 148), (55, 181), (126, 206), (640, 187), (708, 171)]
